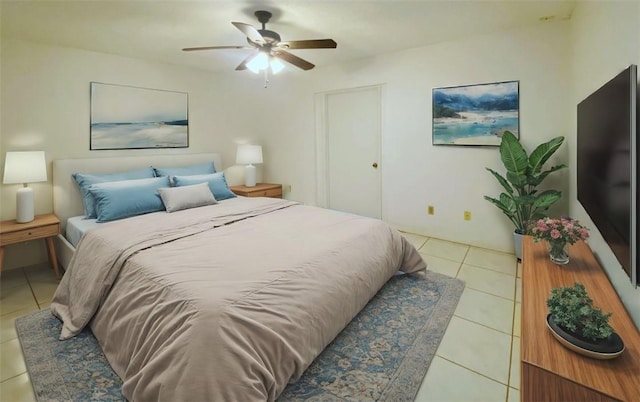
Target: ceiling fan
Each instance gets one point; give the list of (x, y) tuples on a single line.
[(269, 47)]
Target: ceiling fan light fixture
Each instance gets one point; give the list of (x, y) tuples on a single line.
[(276, 65), (271, 50), (260, 62)]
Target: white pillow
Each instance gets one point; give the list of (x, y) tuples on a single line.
[(178, 198)]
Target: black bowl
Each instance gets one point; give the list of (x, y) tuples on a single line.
[(601, 349)]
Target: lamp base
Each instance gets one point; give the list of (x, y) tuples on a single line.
[(24, 205), (250, 176)]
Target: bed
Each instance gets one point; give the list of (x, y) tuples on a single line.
[(228, 302)]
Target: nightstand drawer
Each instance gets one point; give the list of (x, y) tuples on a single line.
[(259, 190), (274, 192), (29, 234)]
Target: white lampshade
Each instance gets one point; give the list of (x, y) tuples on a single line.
[(24, 167), (248, 155)]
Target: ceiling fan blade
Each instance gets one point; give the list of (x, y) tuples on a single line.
[(309, 44), (243, 65), (295, 60), (190, 49), (250, 32)]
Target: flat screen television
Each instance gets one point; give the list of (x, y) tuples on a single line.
[(607, 151)]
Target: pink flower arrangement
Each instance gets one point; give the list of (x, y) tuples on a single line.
[(563, 230)]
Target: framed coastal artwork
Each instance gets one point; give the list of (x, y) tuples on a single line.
[(124, 117), (475, 114)]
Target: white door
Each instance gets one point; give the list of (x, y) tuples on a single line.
[(351, 131)]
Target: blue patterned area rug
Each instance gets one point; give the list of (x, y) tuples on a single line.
[(382, 355)]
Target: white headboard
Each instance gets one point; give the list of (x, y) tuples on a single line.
[(67, 200)]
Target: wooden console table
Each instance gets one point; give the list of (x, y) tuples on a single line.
[(549, 371)]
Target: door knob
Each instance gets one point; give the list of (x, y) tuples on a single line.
[(375, 165)]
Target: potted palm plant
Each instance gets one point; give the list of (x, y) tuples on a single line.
[(521, 202)]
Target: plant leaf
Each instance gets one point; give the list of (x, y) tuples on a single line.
[(514, 157), (506, 208), (525, 199), (543, 152), (547, 198), (518, 181), (501, 180), (572, 309), (536, 179), (508, 201)]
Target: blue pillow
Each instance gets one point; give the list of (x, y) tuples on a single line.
[(122, 199), (86, 180), (202, 168), (217, 184)]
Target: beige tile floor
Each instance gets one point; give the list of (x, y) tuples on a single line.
[(22, 291), (477, 359)]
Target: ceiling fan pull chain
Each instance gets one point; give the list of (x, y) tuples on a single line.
[(266, 77)]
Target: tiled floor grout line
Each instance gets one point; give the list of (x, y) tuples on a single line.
[(473, 371), (490, 269), (466, 254), (511, 335), (444, 258), (454, 242), (513, 323), (33, 293), (458, 271), (510, 354), (11, 378), (9, 340), (491, 294), (483, 325), (461, 244)]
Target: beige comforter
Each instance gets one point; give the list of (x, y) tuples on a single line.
[(228, 302)]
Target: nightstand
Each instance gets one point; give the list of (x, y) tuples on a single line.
[(42, 227), (259, 190)]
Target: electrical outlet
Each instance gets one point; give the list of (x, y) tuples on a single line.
[(430, 210), (467, 215)]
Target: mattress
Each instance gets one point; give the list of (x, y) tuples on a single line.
[(78, 226), (228, 302)]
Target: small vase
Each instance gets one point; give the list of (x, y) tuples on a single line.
[(558, 252)]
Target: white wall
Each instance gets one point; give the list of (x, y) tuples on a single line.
[(605, 40), (415, 173), (45, 106)]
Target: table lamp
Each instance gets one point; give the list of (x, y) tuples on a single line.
[(248, 155), (24, 167)]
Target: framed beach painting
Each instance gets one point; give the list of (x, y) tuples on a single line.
[(124, 117), (475, 114)]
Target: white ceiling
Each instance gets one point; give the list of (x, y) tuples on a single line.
[(158, 30)]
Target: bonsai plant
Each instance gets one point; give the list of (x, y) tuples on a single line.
[(573, 318), (520, 201)]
